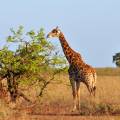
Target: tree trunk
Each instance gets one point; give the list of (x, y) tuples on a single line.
[(3, 92), (12, 86)]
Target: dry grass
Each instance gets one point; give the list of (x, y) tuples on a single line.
[(57, 103), (108, 71), (107, 100)]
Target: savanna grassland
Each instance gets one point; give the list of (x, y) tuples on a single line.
[(56, 102)]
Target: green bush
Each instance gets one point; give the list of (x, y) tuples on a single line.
[(26, 57)]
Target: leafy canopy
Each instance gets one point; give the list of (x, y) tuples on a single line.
[(116, 59), (29, 53)]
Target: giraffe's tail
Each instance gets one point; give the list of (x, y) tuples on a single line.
[(94, 84)]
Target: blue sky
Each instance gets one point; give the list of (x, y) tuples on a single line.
[(92, 27)]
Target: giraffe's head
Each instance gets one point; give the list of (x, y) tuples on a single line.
[(54, 33)]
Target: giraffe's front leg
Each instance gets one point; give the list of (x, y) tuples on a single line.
[(74, 100), (78, 94), (74, 92)]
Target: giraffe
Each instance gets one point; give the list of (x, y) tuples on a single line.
[(78, 70)]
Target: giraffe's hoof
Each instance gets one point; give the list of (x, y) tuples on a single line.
[(74, 109)]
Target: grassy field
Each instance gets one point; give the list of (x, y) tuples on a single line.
[(108, 71), (57, 102)]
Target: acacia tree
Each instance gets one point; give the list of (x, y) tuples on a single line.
[(116, 59), (28, 55)]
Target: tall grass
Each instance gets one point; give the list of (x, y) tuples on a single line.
[(57, 99)]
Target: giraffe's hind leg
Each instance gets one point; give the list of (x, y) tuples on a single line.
[(89, 88), (94, 91)]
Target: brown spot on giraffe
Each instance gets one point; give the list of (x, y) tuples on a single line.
[(78, 70)]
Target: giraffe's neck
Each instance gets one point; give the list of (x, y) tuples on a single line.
[(70, 54)]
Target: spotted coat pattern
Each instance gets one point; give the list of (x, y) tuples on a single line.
[(78, 70)]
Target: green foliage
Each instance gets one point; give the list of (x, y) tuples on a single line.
[(33, 55), (116, 59)]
